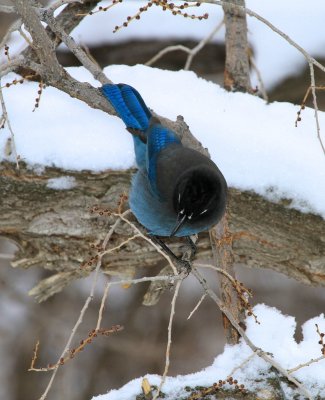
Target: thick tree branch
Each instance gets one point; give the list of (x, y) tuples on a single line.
[(56, 234), (237, 74)]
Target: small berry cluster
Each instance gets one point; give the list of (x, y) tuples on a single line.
[(14, 82), (83, 343), (321, 341), (106, 212), (298, 119), (114, 2), (7, 52), (228, 384), (303, 104), (41, 87), (166, 6), (21, 80), (244, 294)]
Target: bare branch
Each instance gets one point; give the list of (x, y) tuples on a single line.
[(313, 91), (191, 52), (197, 305), (247, 360), (166, 50), (7, 9), (259, 78), (201, 44), (251, 13), (169, 341), (74, 48), (57, 4), (306, 364), (15, 26), (81, 315)]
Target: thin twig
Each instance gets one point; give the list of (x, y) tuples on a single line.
[(259, 78), (201, 44), (74, 48), (82, 312), (222, 271), (169, 340), (313, 91), (191, 52), (252, 13), (168, 49), (27, 39), (74, 329), (12, 28), (242, 364), (166, 256), (197, 306), (6, 256), (7, 9), (102, 305), (120, 245), (57, 4), (306, 364)]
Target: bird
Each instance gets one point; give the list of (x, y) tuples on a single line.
[(177, 191)]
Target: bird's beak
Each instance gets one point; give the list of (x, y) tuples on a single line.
[(180, 220)]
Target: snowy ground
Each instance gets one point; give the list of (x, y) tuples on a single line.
[(274, 334)]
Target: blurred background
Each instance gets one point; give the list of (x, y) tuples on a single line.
[(140, 348)]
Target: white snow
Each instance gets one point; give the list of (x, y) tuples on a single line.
[(274, 334), (256, 145), (61, 183)]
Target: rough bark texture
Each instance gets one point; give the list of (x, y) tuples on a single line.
[(236, 77), (54, 229), (221, 244)]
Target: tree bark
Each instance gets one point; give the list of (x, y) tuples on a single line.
[(236, 75), (54, 229)]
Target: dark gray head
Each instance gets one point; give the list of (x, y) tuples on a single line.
[(193, 187), (199, 196)]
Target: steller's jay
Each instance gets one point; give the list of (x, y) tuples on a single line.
[(177, 191)]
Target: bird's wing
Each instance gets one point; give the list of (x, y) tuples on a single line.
[(158, 139)]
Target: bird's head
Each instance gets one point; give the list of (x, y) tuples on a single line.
[(197, 196)]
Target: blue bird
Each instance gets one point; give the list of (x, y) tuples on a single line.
[(177, 191)]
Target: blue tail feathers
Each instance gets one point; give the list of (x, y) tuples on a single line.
[(129, 105)]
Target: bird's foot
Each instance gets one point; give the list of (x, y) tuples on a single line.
[(183, 266)]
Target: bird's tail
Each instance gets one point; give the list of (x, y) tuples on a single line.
[(128, 104)]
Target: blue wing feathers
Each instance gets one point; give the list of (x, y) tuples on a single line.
[(158, 138)]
